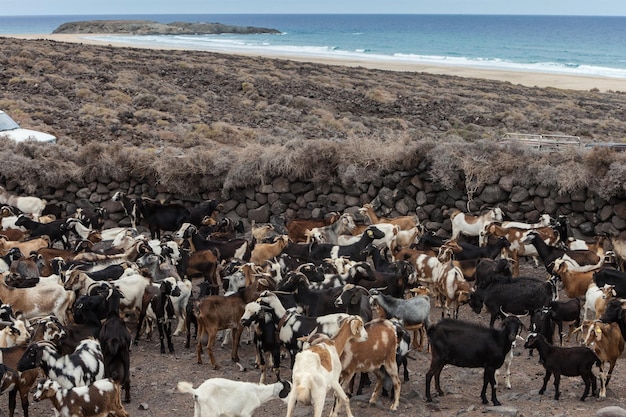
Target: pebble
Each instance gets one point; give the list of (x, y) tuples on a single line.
[(502, 410), (612, 411)]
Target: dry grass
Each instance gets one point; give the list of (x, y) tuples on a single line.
[(192, 121)]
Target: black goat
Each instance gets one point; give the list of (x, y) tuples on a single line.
[(571, 361), (608, 276), (202, 210), (159, 216), (475, 252), (565, 312), (56, 230), (115, 340), (469, 345), (523, 295)]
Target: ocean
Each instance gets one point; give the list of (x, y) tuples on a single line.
[(574, 45)]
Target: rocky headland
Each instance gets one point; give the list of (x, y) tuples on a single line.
[(148, 27)]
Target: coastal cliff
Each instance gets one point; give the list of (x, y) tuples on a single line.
[(148, 27)]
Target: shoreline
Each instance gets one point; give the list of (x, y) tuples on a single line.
[(525, 78)]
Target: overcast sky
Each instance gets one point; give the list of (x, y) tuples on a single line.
[(82, 7)]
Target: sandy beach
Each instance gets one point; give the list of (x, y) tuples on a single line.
[(529, 79)]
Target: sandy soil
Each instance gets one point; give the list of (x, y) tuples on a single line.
[(530, 79), (154, 379)]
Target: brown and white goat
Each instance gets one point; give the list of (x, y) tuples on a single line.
[(575, 283), (297, 228), (16, 334), (470, 225), (606, 340), (98, 399), (37, 301), (317, 369), (378, 351), (404, 222)]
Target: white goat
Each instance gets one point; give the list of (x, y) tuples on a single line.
[(225, 397), (30, 205)]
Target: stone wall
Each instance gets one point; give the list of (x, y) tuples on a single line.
[(399, 193)]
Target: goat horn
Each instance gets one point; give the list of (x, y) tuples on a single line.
[(513, 315)]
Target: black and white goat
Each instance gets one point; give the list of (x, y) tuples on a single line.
[(80, 368)]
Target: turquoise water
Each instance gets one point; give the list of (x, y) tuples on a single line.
[(594, 46)]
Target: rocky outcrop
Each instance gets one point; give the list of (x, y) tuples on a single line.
[(148, 27)]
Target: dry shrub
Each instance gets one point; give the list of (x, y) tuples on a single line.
[(150, 115), (116, 98), (380, 95)]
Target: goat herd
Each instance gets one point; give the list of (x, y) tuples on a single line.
[(342, 298)]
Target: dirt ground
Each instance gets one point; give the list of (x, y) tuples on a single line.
[(154, 379)]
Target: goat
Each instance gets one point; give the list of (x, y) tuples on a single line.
[(215, 313), (470, 225), (404, 222), (619, 248), (575, 283), (329, 234), (26, 246), (100, 398), (353, 251), (26, 204), (604, 277), (565, 312), (549, 254), (130, 207), (469, 345), (516, 236), (157, 305), (411, 312), (374, 354), (606, 340), (523, 295), (55, 230), (318, 369), (16, 382), (264, 251), (223, 397), (81, 368), (292, 326), (115, 340), (43, 299), (297, 228), (570, 361), (159, 216), (15, 334), (265, 337), (190, 317)]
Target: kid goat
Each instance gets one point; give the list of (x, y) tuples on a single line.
[(223, 397)]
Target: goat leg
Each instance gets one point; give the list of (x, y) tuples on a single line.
[(557, 382)]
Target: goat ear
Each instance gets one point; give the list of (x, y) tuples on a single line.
[(356, 298), (355, 326)]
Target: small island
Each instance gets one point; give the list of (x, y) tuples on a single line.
[(148, 27)]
